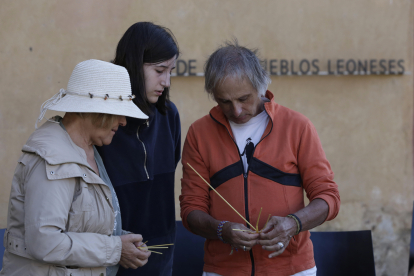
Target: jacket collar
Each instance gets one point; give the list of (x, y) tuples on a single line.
[(54, 145), (64, 159), (219, 116), (133, 123)]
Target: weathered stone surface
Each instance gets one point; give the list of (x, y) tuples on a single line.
[(391, 233)]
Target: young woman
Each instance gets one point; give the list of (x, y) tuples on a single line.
[(143, 156)]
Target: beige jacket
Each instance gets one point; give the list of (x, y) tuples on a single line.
[(60, 216)]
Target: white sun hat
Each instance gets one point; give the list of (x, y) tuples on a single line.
[(95, 86)]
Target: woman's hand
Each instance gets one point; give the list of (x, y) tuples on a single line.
[(277, 234), (131, 256), (239, 239)]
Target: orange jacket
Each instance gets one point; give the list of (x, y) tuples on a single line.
[(288, 159)]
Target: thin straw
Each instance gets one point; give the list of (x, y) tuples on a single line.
[(266, 221), (146, 248), (222, 197), (155, 252), (257, 223), (139, 247), (242, 230), (158, 246)]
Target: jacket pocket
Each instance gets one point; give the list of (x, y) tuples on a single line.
[(83, 207)]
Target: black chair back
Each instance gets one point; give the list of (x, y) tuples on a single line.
[(411, 260), (336, 253), (1, 247), (188, 253), (343, 253)]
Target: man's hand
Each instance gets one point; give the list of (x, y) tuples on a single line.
[(277, 234), (206, 226), (131, 256), (239, 239)]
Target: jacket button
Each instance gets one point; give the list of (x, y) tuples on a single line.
[(52, 172), (17, 245), (101, 274), (84, 175)]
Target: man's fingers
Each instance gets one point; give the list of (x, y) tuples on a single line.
[(267, 228), (270, 225), (273, 233), (267, 242), (246, 246), (278, 248), (236, 234), (276, 253), (247, 236)]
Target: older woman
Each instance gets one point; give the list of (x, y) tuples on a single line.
[(63, 216)]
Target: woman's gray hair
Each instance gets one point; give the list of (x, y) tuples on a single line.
[(233, 60)]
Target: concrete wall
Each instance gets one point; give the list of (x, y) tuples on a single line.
[(365, 122)]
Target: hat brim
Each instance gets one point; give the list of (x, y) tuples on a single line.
[(74, 103)]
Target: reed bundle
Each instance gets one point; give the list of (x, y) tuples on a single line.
[(158, 246), (257, 223)]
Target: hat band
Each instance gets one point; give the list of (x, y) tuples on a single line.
[(62, 92), (105, 97)]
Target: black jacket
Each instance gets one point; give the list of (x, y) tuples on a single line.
[(141, 163)]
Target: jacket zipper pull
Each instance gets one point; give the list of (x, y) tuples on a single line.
[(145, 151)]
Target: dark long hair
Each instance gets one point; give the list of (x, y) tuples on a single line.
[(145, 42)]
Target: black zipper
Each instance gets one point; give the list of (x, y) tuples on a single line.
[(266, 134), (245, 175), (246, 198), (145, 150)]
